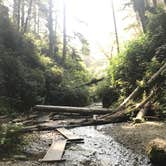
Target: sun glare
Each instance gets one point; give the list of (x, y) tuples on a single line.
[(93, 18)]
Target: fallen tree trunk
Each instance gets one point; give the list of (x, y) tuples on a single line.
[(138, 89), (112, 116), (134, 109), (93, 81), (98, 111), (66, 109), (120, 116), (141, 114)]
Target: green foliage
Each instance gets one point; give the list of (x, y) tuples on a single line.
[(140, 58), (67, 96), (66, 92), (29, 77), (129, 67), (22, 79), (5, 107), (109, 96), (10, 139)]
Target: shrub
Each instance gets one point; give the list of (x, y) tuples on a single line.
[(109, 96), (141, 57), (28, 78), (10, 139)]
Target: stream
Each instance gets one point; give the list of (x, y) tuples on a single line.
[(100, 149), (121, 144)]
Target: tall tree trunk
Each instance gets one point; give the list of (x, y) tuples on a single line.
[(64, 33), (18, 19), (142, 19), (139, 7), (35, 16), (28, 16), (22, 14), (16, 13), (55, 35), (115, 26), (165, 2), (50, 28), (147, 4), (38, 17), (155, 3)]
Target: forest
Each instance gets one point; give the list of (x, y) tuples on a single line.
[(93, 68)]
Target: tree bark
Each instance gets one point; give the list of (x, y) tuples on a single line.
[(115, 26), (136, 92), (138, 89), (155, 3), (141, 114), (16, 13), (35, 15), (22, 14), (79, 110), (139, 7), (120, 116), (51, 32), (93, 81), (28, 17), (132, 110), (165, 2), (64, 33), (38, 17)]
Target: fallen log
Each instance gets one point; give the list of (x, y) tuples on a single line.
[(93, 81), (90, 122), (3, 117), (26, 118), (153, 118), (136, 92), (134, 109), (141, 114), (138, 89), (120, 116), (119, 112), (66, 109)]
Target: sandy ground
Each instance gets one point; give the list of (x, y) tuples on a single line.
[(137, 136)]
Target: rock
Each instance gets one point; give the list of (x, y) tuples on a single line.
[(138, 120), (156, 151)]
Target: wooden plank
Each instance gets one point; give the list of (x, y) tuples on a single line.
[(69, 135), (55, 152)]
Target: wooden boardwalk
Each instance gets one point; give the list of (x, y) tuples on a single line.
[(69, 135), (55, 152)]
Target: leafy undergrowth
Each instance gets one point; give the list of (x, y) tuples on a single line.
[(11, 139)]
